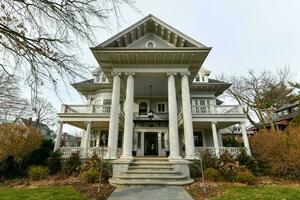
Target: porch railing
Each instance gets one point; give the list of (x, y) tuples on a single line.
[(212, 150), (221, 109), (67, 151), (99, 109)]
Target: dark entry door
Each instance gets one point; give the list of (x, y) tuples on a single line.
[(151, 144)]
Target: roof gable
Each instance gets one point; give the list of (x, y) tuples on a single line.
[(154, 26)]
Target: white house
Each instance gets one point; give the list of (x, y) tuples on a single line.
[(152, 105)]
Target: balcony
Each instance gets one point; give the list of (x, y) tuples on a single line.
[(88, 109), (156, 116), (217, 110)]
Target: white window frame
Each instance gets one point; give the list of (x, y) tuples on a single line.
[(166, 107)]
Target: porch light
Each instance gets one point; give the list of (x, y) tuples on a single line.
[(150, 112)]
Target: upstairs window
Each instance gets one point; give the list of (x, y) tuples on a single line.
[(143, 108), (150, 44), (161, 107), (197, 79)]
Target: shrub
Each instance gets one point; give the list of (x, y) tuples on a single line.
[(54, 162), (195, 169), (247, 161), (40, 155), (212, 174), (244, 175), (278, 152), (37, 172), (72, 164), (90, 176), (230, 141), (208, 159), (106, 170)]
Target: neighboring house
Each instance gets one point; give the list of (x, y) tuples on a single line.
[(281, 117), (149, 102), (43, 128), (69, 140)]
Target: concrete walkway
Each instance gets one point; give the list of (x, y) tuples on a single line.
[(150, 193)]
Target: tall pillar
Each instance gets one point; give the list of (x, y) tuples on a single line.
[(187, 119), (82, 138), (245, 137), (215, 138), (173, 126), (58, 135), (128, 122), (98, 135), (87, 140), (114, 119)]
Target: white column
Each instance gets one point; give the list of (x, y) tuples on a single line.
[(245, 138), (82, 138), (87, 140), (187, 119), (128, 122), (98, 139), (215, 138), (114, 119), (58, 135), (173, 126)]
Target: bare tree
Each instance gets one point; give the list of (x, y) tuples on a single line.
[(44, 112), (12, 106), (261, 93), (38, 37)]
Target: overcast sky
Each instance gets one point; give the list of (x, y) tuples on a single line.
[(244, 34)]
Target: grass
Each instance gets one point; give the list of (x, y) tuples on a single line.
[(261, 192), (47, 193)]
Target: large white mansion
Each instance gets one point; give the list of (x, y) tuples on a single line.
[(151, 106)]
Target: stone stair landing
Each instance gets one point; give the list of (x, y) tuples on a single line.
[(151, 171)]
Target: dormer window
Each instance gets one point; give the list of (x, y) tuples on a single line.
[(150, 44)]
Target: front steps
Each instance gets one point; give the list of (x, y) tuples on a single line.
[(151, 171)]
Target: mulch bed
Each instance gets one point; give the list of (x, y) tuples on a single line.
[(89, 190)]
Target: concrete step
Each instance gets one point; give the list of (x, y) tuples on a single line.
[(151, 158), (152, 172), (151, 176), (117, 181), (152, 167), (150, 163)]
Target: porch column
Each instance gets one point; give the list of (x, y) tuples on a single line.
[(114, 119), (58, 135), (187, 118), (245, 137), (173, 126), (128, 122), (87, 140), (98, 139), (82, 138), (215, 138)]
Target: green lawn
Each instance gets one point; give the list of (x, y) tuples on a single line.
[(48, 193), (262, 192)]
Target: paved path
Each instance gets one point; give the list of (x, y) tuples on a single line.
[(150, 193)]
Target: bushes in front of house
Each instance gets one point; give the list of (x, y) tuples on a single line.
[(226, 168), (54, 163), (278, 152), (72, 164), (37, 172)]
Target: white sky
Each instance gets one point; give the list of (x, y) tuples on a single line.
[(244, 34)]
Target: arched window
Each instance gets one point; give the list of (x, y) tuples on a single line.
[(150, 44), (143, 108)]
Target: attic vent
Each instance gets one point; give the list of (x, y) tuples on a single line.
[(150, 44)]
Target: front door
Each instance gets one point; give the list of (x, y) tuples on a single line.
[(151, 144)]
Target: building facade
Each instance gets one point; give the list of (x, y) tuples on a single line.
[(151, 103)]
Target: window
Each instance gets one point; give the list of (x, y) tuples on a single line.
[(106, 105), (139, 140), (163, 140), (198, 140), (199, 106), (143, 108), (103, 78), (150, 44), (161, 107), (120, 136), (197, 78)]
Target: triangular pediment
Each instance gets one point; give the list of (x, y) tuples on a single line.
[(147, 29)]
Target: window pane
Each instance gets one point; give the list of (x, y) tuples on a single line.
[(198, 139), (139, 142), (162, 140)]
